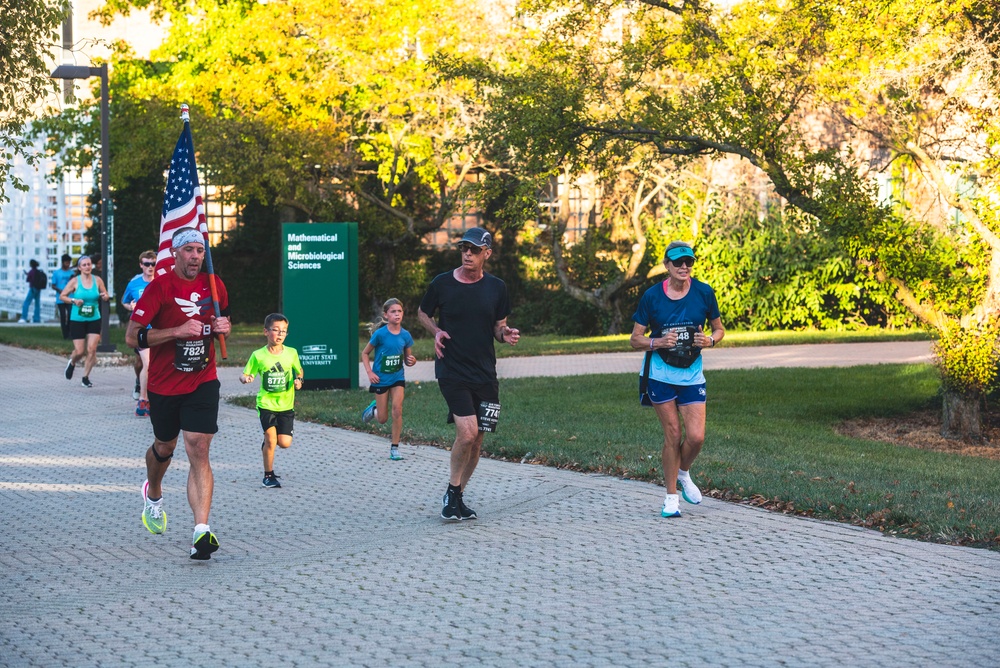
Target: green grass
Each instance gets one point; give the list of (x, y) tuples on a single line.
[(247, 338), (553, 344), (771, 442)]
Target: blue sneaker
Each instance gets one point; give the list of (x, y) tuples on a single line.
[(394, 454), (271, 481), (369, 413)]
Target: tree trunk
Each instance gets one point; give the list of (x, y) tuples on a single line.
[(960, 419)]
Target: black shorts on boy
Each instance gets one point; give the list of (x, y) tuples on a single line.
[(282, 421)]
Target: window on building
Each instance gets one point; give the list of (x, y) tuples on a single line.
[(221, 217), (583, 200)]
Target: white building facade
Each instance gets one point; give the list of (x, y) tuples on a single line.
[(41, 224)]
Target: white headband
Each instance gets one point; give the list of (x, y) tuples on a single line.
[(189, 236)]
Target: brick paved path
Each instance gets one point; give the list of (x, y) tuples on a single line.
[(348, 564)]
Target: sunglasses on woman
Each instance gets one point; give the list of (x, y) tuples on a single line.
[(683, 262), (471, 248)]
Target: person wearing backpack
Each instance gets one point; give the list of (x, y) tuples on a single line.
[(37, 280)]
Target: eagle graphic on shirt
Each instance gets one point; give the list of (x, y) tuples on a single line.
[(195, 306)]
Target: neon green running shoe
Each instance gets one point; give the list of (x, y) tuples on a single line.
[(154, 517), (203, 544)]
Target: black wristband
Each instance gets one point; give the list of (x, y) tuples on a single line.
[(143, 338)]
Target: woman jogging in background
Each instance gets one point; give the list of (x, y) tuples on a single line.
[(84, 292)]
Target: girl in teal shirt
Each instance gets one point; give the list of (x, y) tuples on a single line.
[(84, 292)]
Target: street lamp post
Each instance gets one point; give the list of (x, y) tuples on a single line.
[(83, 72)]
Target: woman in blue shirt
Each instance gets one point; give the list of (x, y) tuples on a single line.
[(675, 312)]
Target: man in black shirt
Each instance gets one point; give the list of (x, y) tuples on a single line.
[(472, 308)]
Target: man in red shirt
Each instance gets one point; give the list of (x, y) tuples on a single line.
[(174, 318)]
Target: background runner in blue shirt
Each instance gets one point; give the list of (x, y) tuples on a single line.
[(674, 312), (134, 290), (60, 279)]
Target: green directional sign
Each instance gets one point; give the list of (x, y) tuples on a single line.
[(319, 296)]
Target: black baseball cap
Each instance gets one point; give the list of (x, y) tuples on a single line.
[(477, 236)]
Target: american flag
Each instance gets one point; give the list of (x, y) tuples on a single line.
[(182, 203)]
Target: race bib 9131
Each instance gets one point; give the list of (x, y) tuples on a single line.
[(392, 363)]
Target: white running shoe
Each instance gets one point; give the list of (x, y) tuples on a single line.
[(689, 490), (671, 503)]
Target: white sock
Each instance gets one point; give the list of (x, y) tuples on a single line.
[(684, 474), (200, 528)]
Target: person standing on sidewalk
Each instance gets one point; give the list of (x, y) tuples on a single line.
[(175, 320), (36, 279), (472, 308), (60, 279), (672, 382), (83, 292), (393, 348), (134, 290)]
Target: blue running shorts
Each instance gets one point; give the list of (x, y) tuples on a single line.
[(660, 393)]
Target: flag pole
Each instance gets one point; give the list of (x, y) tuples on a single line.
[(185, 116)]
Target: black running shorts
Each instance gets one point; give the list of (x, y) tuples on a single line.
[(282, 421), (385, 388), (196, 412), (463, 399), (79, 329)]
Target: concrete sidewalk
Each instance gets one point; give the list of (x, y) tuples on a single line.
[(348, 565)]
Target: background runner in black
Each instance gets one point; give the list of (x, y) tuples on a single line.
[(472, 308)]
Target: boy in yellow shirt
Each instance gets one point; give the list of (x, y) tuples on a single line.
[(281, 374)]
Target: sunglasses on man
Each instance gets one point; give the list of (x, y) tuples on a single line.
[(470, 248), (149, 264), (683, 262)]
